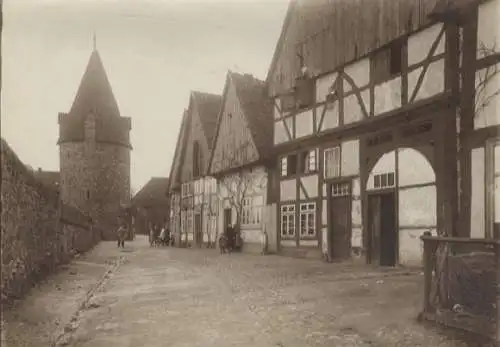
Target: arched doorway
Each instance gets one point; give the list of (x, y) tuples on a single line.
[(401, 206)]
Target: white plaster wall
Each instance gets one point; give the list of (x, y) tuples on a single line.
[(356, 212), (385, 164), (488, 112), (414, 168), (497, 200), (419, 44), (357, 237), (290, 125), (432, 84), (331, 117), (251, 235), (417, 206), (356, 186), (276, 108), (288, 190), (280, 134), (310, 183), (359, 72), (411, 248), (350, 158), (488, 31), (324, 212), (304, 123), (497, 158), (308, 243), (288, 243), (352, 109), (388, 96), (323, 84), (477, 227), (324, 240)]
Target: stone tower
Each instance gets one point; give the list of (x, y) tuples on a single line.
[(94, 148)]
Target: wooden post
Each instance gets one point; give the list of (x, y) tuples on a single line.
[(497, 254), (428, 267)]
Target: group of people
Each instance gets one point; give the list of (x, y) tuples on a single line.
[(230, 240), (160, 236)]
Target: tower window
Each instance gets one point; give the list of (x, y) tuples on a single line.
[(88, 194)]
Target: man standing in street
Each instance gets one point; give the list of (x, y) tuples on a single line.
[(121, 235)]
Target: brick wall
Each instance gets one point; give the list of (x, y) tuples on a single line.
[(37, 233)]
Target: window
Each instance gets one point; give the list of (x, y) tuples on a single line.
[(341, 189), (284, 166), (287, 102), (251, 213), (196, 159), (292, 164), (304, 91), (309, 162), (385, 180), (190, 220), (88, 194), (308, 219), (288, 221), (396, 58), (388, 62), (332, 162), (289, 165)]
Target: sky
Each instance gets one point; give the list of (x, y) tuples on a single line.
[(154, 52)]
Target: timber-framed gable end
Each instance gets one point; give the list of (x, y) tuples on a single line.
[(354, 93)]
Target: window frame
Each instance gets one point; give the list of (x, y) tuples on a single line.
[(309, 163), (338, 162), (308, 210), (288, 213), (251, 211)]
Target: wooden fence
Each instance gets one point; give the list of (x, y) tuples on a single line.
[(461, 288)]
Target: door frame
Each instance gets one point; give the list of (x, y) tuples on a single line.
[(227, 211), (198, 229), (329, 229), (380, 192)]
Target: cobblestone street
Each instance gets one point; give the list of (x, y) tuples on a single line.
[(184, 297)]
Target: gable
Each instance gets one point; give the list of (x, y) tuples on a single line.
[(194, 133), (234, 145), (152, 193), (324, 34), (177, 160)]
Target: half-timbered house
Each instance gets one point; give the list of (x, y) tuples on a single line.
[(191, 191), (241, 152), (375, 126)]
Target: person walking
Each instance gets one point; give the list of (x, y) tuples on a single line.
[(121, 235)]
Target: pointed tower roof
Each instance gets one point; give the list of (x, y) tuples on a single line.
[(94, 96), (95, 93)]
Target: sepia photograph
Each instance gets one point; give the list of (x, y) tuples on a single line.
[(268, 173)]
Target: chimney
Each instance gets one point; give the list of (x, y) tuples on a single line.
[(39, 169)]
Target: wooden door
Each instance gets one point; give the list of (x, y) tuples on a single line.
[(374, 203), (383, 247), (227, 218), (340, 227), (388, 232), (340, 220), (198, 233)]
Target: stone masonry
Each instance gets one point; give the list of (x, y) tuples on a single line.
[(38, 232)]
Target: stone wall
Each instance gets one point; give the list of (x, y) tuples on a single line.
[(38, 232)]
